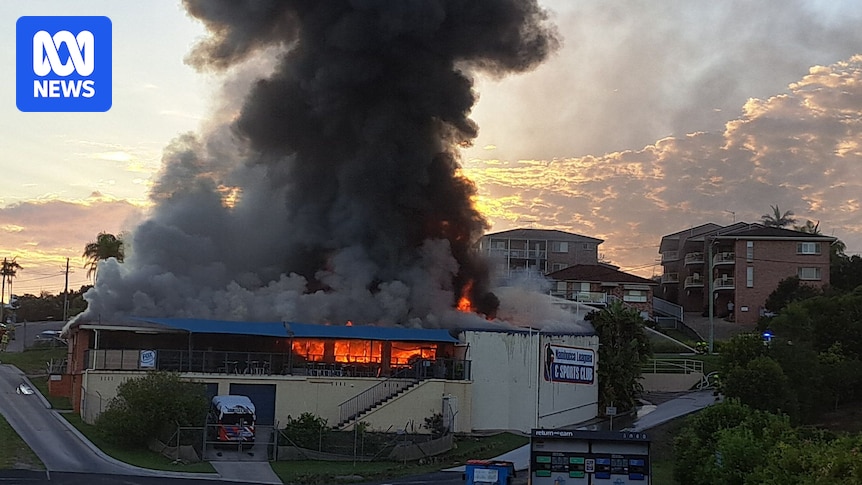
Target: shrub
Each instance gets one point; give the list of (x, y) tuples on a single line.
[(152, 406)]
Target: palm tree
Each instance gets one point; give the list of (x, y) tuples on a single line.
[(8, 270), (809, 227), (777, 219), (105, 246), (624, 349)]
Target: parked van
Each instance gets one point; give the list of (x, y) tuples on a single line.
[(231, 420)]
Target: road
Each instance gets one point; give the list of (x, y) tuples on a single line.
[(59, 448), (25, 333), (72, 459)]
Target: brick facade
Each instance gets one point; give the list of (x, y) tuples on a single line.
[(748, 262)]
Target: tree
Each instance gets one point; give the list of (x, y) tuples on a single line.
[(624, 348), (809, 227), (761, 384), (777, 218), (104, 247), (789, 289), (152, 406), (8, 271)]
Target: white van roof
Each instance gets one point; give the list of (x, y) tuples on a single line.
[(233, 404)]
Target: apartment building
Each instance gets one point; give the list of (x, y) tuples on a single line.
[(538, 250), (739, 265), (571, 262)]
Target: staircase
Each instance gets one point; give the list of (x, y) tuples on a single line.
[(352, 409)]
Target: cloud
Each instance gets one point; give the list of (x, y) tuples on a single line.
[(799, 150), (630, 73), (42, 234)]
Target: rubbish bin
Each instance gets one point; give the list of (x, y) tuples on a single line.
[(489, 472)]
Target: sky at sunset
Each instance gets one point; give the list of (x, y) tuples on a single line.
[(651, 117)]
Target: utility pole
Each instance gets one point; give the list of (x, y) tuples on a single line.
[(710, 287), (3, 290), (66, 295)]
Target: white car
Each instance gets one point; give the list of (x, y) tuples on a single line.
[(24, 389)]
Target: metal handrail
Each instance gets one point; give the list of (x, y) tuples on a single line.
[(373, 396), (673, 366)]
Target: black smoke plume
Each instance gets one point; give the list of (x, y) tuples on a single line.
[(339, 195)]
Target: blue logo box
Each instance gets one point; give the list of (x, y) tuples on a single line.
[(63, 64)]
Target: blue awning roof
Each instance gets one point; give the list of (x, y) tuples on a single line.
[(304, 330)]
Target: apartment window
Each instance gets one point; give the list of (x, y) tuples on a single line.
[(749, 251), (809, 273), (498, 244), (559, 247), (808, 248), (588, 246), (637, 296), (749, 277), (558, 266)]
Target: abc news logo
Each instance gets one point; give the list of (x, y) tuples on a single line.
[(63, 64)]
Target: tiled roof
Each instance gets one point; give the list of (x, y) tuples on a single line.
[(550, 234), (598, 273)]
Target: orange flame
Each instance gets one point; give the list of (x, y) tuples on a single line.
[(464, 303)]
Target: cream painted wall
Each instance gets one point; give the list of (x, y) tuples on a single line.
[(509, 392), (317, 395), (409, 410)]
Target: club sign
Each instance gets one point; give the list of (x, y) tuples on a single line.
[(572, 365)]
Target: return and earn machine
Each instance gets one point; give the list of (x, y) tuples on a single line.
[(576, 457)]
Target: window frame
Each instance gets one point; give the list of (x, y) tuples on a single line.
[(560, 247), (803, 248), (818, 273)]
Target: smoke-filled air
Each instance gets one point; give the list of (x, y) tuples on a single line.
[(334, 192)]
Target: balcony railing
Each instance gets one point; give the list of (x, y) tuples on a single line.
[(694, 258), (724, 258), (594, 297), (669, 256), (670, 278), (263, 363), (723, 283), (519, 253), (694, 282)]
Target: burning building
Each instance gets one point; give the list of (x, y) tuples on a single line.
[(386, 377), (333, 194)]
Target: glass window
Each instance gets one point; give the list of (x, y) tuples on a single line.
[(559, 247), (749, 250), (749, 276), (638, 296), (809, 273), (808, 248), (559, 266)]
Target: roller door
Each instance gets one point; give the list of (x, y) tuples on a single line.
[(263, 397)]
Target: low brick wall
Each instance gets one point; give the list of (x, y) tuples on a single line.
[(60, 385)]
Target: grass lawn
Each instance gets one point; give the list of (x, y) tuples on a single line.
[(14, 453), (143, 458), (32, 362), (320, 472)]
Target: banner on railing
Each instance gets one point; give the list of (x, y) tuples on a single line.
[(148, 359)]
